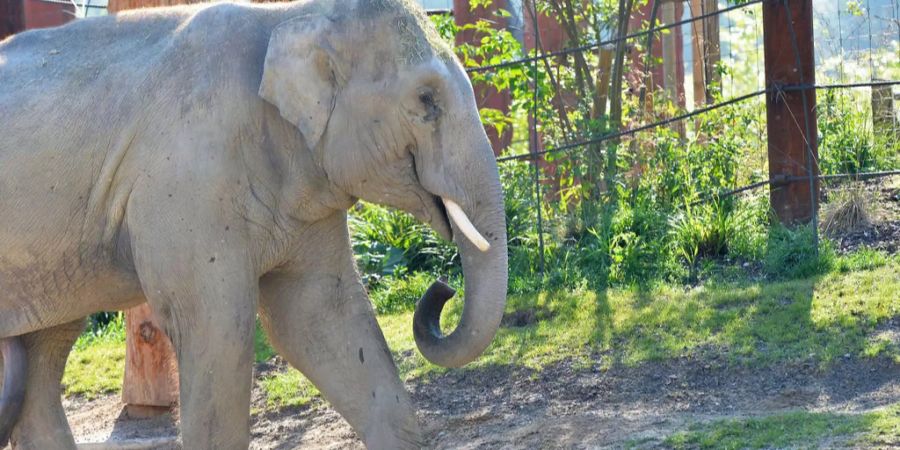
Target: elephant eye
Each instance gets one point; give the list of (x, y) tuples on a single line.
[(432, 111)]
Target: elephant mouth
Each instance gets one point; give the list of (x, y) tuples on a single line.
[(443, 220), (453, 217)]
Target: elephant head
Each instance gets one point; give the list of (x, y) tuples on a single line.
[(390, 117)]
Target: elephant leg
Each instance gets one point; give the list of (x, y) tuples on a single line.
[(43, 424), (199, 278), (323, 324), (214, 346), (331, 336), (210, 315)]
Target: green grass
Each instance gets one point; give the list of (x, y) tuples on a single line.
[(816, 319), (97, 363), (793, 430), (754, 323), (288, 388)]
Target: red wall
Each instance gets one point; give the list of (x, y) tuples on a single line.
[(19, 15), (43, 14), (11, 18), (485, 96)]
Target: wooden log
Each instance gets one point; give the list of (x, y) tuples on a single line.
[(151, 370)]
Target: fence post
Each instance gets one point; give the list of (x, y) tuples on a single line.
[(151, 371), (790, 110), (698, 41), (884, 124), (712, 50), (669, 51), (604, 70), (150, 385)]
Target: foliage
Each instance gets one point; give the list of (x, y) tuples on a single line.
[(846, 142), (847, 210), (390, 242), (792, 253), (288, 388), (400, 292)]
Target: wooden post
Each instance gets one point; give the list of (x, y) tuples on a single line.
[(603, 73), (151, 371), (712, 52), (791, 130), (12, 18), (669, 51), (697, 45), (884, 124)]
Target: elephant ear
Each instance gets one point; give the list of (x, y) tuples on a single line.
[(300, 74)]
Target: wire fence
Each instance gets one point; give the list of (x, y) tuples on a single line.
[(804, 121)]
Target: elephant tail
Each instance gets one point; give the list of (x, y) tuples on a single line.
[(12, 394)]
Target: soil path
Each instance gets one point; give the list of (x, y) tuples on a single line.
[(559, 407)]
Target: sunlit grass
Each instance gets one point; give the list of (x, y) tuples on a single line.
[(97, 363), (817, 319), (753, 323), (795, 430)]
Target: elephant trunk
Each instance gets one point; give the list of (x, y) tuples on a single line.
[(485, 269), (12, 395)]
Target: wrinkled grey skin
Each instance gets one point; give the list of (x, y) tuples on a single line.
[(203, 159)]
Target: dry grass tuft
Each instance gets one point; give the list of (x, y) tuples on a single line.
[(849, 210)]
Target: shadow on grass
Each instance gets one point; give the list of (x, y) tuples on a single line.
[(757, 323)]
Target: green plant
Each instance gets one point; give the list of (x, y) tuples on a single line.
[(792, 254), (846, 141), (400, 291), (385, 240), (846, 211)]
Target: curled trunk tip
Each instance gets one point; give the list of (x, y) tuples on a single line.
[(427, 320)]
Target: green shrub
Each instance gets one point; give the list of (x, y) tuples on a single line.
[(400, 292), (385, 240), (791, 253)]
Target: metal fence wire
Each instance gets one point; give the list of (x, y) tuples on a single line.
[(804, 122)]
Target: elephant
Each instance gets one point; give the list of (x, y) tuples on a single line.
[(203, 159)]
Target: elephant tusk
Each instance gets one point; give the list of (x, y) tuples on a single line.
[(465, 225)]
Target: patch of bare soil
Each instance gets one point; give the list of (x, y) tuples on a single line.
[(559, 407), (884, 232)]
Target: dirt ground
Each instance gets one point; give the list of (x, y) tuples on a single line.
[(559, 407)]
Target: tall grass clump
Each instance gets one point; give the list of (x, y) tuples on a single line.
[(847, 210)]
